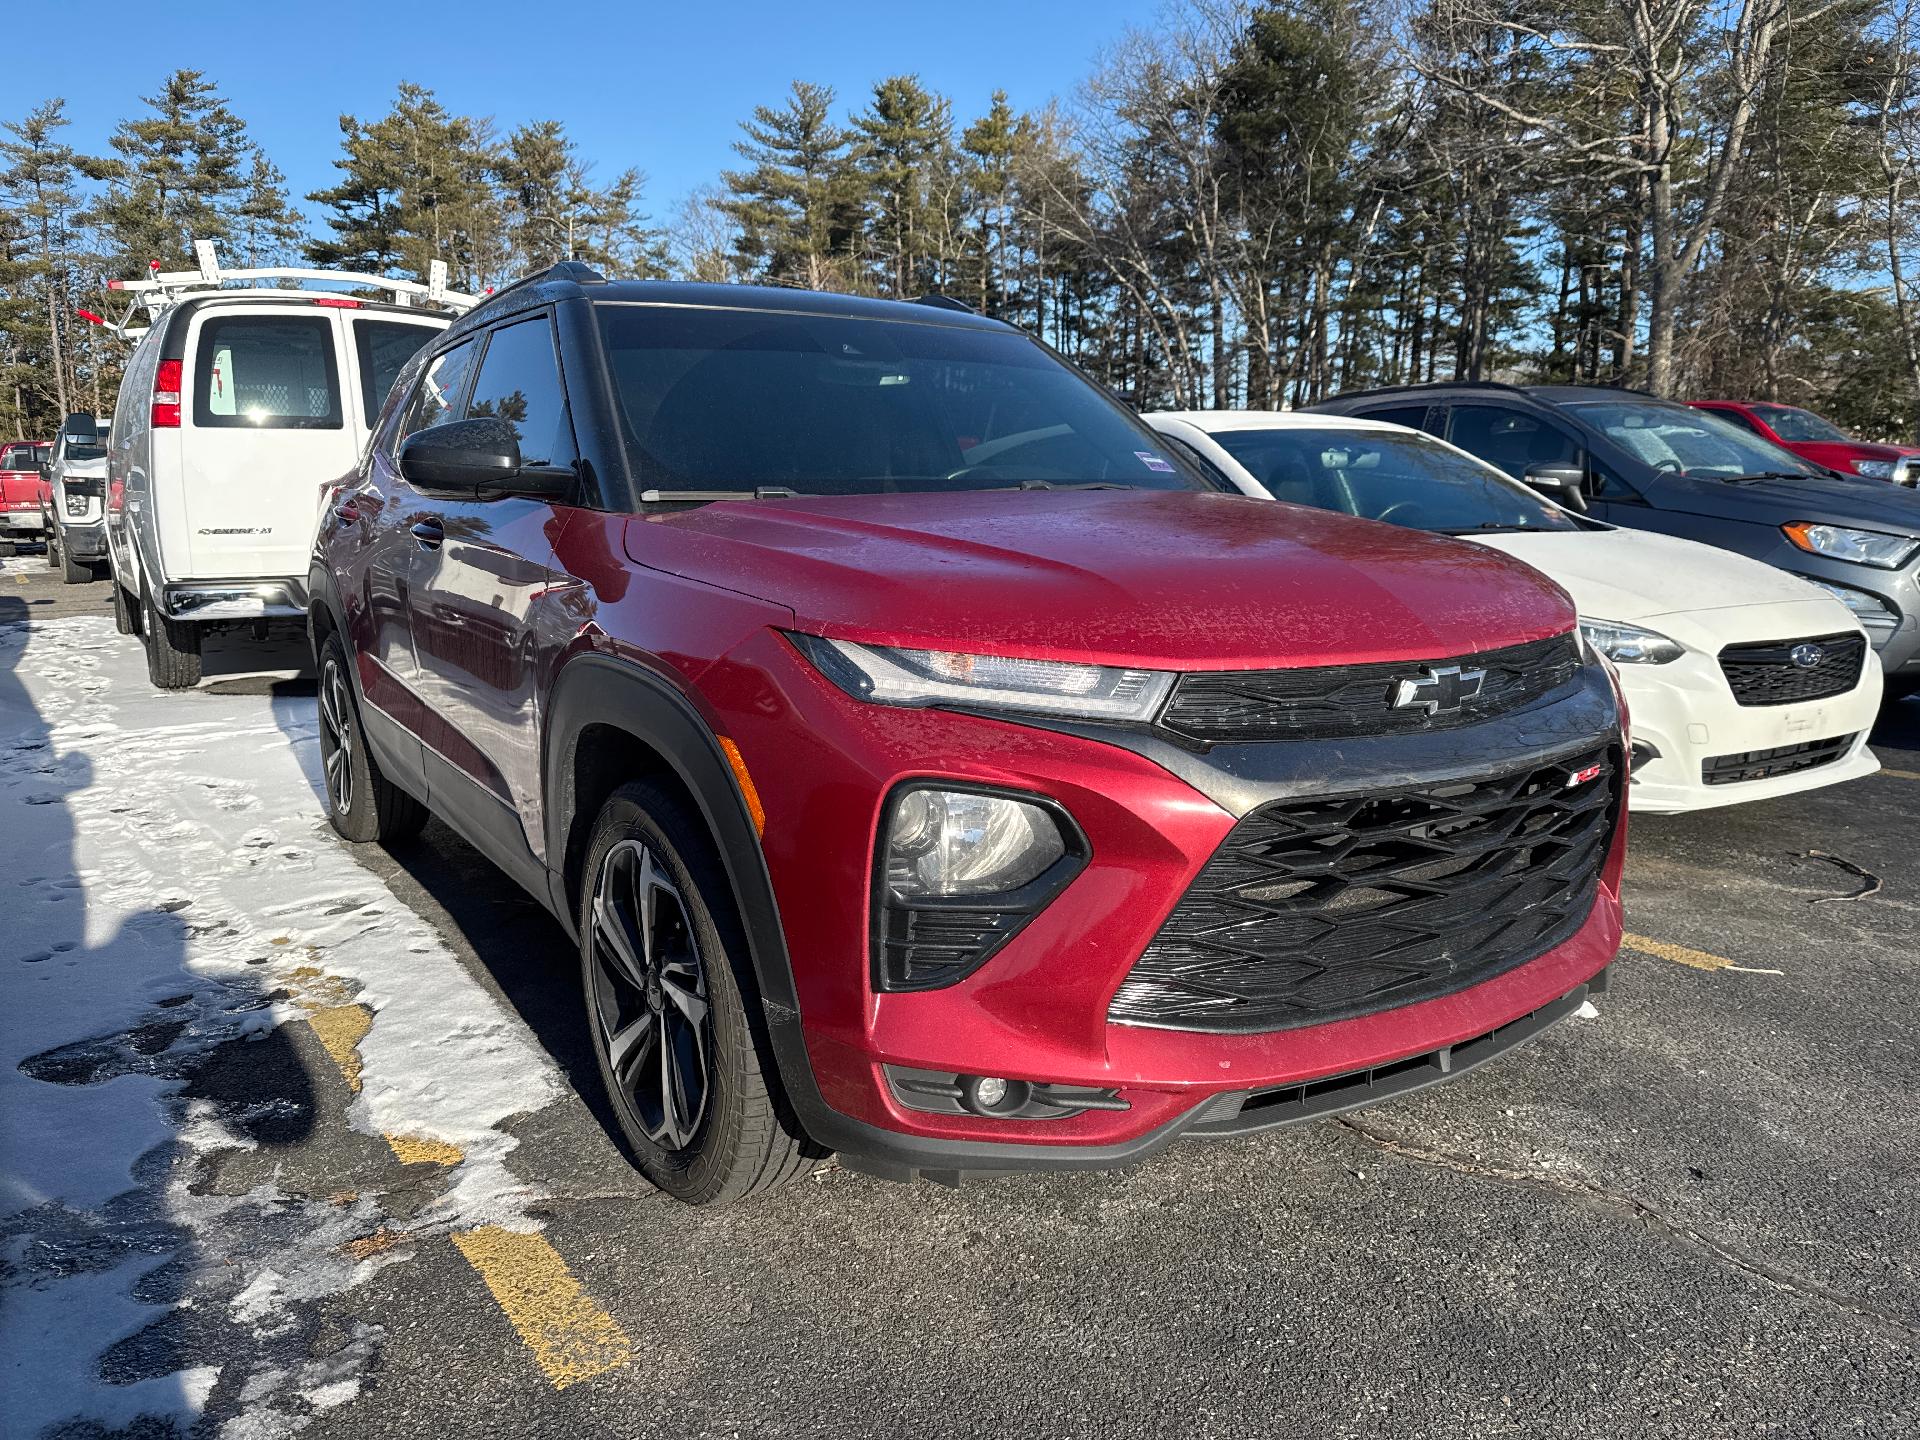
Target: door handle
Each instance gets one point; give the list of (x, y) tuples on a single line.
[(429, 533)]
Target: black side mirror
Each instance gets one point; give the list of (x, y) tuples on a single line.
[(478, 459), (1564, 483)]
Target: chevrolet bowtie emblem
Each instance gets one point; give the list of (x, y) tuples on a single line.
[(1438, 688)]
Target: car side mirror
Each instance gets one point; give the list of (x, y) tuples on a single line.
[(1564, 483), (478, 459)]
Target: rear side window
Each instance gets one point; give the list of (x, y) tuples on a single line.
[(18, 457), (266, 372), (1510, 440), (384, 348), (519, 382), (1414, 417)]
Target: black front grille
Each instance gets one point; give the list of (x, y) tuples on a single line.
[(1781, 760), (1333, 701), (1319, 910), (1769, 674)]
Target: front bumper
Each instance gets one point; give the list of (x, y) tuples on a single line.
[(1684, 715), (83, 541), (1154, 813), (243, 599)]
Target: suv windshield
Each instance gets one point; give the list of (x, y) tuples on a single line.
[(742, 400), (1790, 422), (79, 452), (1405, 479), (1688, 442)]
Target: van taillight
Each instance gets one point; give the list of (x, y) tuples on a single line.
[(166, 396)]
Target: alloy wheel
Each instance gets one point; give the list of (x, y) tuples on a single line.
[(650, 996), (336, 735)]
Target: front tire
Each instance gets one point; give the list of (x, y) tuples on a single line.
[(364, 806), (173, 649), (72, 572), (125, 620), (668, 989)]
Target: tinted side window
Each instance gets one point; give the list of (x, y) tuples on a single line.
[(1511, 440), (519, 382), (384, 347), (433, 403), (1414, 417), (1740, 418), (266, 372)]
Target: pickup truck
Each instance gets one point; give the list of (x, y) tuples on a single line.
[(23, 492)]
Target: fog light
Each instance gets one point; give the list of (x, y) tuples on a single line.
[(990, 1095)]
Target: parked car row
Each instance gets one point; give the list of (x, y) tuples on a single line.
[(937, 763)]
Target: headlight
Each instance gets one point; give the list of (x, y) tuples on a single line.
[(1629, 644), (959, 873), (1875, 469), (889, 675), (1860, 547), (955, 842)]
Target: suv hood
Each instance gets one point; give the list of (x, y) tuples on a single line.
[(1838, 499), (1630, 575), (1167, 579), (84, 470)]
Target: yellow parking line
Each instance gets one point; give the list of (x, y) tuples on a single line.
[(572, 1338), (1687, 955), (1900, 774)]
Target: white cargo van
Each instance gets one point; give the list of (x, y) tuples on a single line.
[(238, 408)]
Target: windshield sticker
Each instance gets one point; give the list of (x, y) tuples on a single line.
[(1154, 462)]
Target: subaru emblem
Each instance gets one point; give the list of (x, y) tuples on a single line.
[(1807, 656)]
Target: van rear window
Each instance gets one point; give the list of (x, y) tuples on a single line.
[(385, 347), (267, 372)]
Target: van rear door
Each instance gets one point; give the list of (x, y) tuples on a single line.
[(265, 423)]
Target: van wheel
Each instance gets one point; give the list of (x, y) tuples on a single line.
[(362, 803), (125, 620), (173, 649), (670, 996)]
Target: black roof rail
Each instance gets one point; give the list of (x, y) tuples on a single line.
[(577, 271), (944, 302), (1419, 385)]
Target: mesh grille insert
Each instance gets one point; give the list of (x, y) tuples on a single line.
[(1769, 674), (1321, 910)]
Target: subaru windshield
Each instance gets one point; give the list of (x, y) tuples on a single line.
[(717, 402), (1681, 441), (1402, 478)]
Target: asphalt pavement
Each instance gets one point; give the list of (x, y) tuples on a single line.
[(1693, 1215)]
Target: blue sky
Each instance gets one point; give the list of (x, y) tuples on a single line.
[(663, 87)]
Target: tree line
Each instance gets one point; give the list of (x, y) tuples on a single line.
[(1246, 204)]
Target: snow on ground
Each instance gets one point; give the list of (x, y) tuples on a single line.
[(170, 895)]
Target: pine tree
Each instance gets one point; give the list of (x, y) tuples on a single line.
[(267, 230), (36, 275), (177, 176), (798, 207), (903, 139), (416, 186)]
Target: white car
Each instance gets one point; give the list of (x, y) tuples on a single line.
[(239, 406), (1743, 682)]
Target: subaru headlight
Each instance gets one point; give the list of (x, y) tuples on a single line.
[(1629, 644), (1875, 469), (893, 675), (1858, 547)]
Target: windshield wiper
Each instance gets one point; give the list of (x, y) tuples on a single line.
[(1491, 527), (1071, 485), (759, 492), (1754, 475)]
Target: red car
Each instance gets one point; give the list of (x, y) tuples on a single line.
[(1821, 441), (24, 492), (931, 766)]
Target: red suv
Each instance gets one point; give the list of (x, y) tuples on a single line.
[(931, 765), (1819, 440)]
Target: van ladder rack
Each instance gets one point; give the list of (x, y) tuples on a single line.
[(163, 288)]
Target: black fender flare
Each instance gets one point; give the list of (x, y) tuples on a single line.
[(600, 690)]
